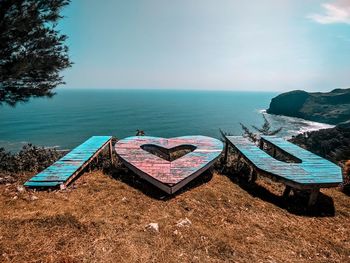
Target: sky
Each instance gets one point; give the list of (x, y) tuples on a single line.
[(260, 45)]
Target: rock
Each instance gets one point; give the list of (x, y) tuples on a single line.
[(15, 197), (124, 199), (154, 227), (184, 223), (328, 107), (20, 189), (33, 198)]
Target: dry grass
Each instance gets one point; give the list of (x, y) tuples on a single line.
[(101, 219)]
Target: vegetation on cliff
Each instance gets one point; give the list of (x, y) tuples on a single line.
[(30, 159), (331, 107), (332, 144)]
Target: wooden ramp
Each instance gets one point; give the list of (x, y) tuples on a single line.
[(62, 172), (309, 172)]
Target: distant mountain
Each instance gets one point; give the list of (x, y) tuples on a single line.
[(331, 107)]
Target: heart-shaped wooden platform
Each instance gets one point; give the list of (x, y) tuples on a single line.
[(159, 170)]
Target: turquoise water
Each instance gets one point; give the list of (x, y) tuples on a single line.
[(72, 116)]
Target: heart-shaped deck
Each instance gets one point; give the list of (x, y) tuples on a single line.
[(167, 175)]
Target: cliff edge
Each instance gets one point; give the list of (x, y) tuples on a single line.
[(329, 107)]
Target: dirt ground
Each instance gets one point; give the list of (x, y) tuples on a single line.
[(103, 219)]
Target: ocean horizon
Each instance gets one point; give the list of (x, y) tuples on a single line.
[(73, 115)]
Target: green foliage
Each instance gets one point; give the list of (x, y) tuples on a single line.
[(346, 184), (140, 132), (224, 134), (248, 134), (29, 159), (266, 128), (333, 144), (32, 50)]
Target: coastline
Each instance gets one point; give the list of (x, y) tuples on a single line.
[(304, 125), (292, 126)]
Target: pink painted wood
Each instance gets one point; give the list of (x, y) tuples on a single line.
[(169, 176)]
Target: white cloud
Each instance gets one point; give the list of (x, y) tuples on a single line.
[(335, 12)]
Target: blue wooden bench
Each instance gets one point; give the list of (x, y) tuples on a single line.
[(66, 169), (308, 172)]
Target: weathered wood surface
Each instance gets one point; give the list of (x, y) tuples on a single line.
[(313, 172), (62, 172), (169, 176)]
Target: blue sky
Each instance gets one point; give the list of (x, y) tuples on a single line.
[(266, 45)]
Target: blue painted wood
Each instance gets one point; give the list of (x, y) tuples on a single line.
[(312, 171), (42, 184), (69, 165)]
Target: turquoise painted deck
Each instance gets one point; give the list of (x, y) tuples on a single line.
[(63, 171), (312, 171)]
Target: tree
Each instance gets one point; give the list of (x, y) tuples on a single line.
[(32, 50), (265, 129)]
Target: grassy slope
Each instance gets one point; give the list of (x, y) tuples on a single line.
[(100, 219)]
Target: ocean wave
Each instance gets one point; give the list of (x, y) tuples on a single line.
[(17, 146), (292, 126)]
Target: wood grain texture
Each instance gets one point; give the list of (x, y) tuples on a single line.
[(169, 176), (311, 172), (62, 172)]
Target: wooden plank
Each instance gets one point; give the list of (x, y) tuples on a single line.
[(310, 172), (318, 169), (62, 172), (42, 184), (169, 176)]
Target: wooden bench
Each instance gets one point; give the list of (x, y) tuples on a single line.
[(138, 154), (66, 169), (308, 172)]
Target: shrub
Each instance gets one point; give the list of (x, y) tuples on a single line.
[(29, 159), (346, 184)]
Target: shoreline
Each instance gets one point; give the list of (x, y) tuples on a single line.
[(277, 120), (305, 125)]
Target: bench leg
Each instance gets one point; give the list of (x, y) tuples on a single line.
[(111, 152), (238, 162), (261, 144), (226, 153), (252, 176), (287, 191), (313, 196), (274, 153)]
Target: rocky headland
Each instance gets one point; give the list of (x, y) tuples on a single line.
[(329, 107), (332, 108)]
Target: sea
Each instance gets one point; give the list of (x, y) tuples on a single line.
[(73, 115)]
